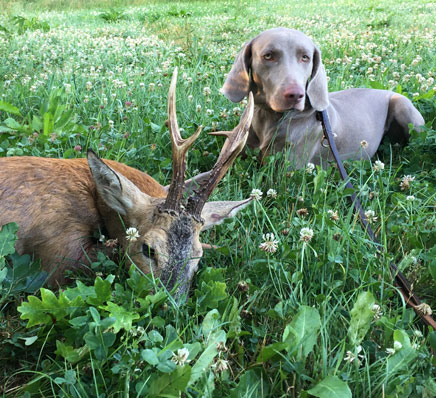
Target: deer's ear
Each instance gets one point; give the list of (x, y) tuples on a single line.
[(215, 213), (118, 192)]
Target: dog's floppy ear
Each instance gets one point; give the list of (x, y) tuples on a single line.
[(317, 88), (237, 84)]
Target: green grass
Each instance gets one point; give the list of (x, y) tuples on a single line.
[(101, 82)]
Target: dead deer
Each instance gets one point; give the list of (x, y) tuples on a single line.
[(61, 205)]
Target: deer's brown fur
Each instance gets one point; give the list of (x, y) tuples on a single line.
[(55, 203)]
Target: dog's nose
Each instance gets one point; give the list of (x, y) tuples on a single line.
[(293, 93)]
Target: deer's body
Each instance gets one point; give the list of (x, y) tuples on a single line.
[(57, 207), (61, 207)]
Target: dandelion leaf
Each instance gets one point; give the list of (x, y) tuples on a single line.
[(170, 385), (250, 385), (361, 318), (206, 358), (331, 387), (402, 357), (302, 332)]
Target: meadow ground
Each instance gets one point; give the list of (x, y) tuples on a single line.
[(318, 315)]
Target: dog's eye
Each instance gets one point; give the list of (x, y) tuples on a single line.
[(147, 251), (268, 57), (305, 58)]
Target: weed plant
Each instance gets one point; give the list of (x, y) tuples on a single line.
[(296, 301)]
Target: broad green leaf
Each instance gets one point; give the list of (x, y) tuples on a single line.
[(331, 387), (6, 107), (48, 123), (4, 129), (170, 385), (7, 240), (211, 294), (432, 269), (49, 309), (211, 322), (318, 181), (123, 317), (155, 336), (149, 356), (402, 357), (103, 292), (206, 358), (271, 350), (29, 340), (250, 385), (3, 272), (302, 332), (69, 353), (12, 124), (361, 318)]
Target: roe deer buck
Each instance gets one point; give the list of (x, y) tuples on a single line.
[(61, 204)]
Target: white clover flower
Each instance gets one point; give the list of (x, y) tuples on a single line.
[(370, 216), (220, 365), (88, 85), (410, 198), (333, 215), (237, 111), (256, 194), (181, 357), (424, 309), (377, 311), (190, 98), (132, 234), (209, 112), (198, 108), (390, 351), (418, 334), (364, 144), (309, 168), (151, 86), (207, 91), (306, 234), (378, 166), (271, 193), (269, 244), (350, 357), (397, 345), (405, 182)]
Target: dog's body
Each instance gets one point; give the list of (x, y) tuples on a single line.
[(289, 84)]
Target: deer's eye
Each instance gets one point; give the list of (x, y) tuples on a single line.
[(148, 251), (268, 56), (305, 58)]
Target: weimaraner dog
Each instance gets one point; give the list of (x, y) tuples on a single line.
[(283, 69)]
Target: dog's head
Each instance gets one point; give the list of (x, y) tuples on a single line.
[(282, 67)]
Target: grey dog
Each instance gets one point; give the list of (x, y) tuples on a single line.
[(284, 70)]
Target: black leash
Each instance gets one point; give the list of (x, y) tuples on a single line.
[(400, 280)]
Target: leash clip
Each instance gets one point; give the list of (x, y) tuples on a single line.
[(325, 142)]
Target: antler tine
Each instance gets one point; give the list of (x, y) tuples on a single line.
[(180, 148), (232, 147)]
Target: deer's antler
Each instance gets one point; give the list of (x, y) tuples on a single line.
[(180, 148), (233, 145)]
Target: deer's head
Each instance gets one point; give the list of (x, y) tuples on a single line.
[(168, 238)]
